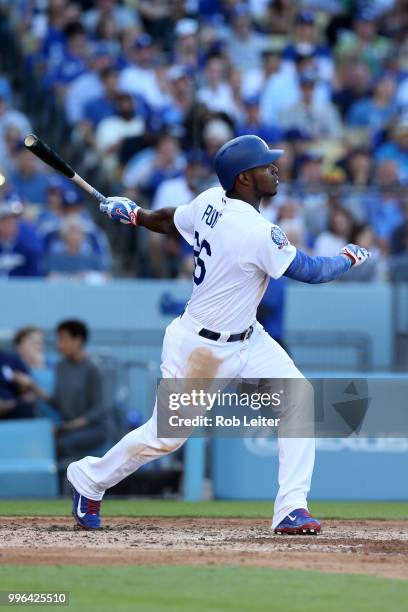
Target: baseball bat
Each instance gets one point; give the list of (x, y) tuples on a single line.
[(52, 159)]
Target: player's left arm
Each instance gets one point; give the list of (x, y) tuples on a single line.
[(125, 211), (268, 248), (315, 270)]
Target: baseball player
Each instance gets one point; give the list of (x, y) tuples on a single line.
[(236, 251)]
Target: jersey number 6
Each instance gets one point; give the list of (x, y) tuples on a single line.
[(199, 268)]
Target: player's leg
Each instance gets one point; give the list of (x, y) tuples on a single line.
[(91, 476), (185, 356), (266, 359)]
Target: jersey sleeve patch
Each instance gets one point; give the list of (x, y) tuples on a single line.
[(279, 237)]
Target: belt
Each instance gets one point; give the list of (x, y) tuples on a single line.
[(211, 335)]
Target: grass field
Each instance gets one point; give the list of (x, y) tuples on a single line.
[(195, 588), (250, 509), (199, 589)]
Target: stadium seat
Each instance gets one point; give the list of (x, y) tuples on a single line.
[(27, 459)]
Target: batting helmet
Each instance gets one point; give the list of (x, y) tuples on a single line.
[(240, 154)]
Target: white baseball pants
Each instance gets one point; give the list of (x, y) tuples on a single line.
[(184, 355)]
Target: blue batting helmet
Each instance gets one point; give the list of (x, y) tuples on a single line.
[(240, 154)]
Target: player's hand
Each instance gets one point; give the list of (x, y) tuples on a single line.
[(356, 254), (121, 209)]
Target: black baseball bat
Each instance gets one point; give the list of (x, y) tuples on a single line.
[(44, 152)]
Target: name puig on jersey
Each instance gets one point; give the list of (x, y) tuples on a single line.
[(211, 215)]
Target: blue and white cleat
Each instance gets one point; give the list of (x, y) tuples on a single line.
[(298, 522), (85, 511)]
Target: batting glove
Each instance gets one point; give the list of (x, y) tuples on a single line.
[(356, 254), (121, 209)]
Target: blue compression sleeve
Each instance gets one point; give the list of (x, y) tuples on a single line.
[(317, 269)]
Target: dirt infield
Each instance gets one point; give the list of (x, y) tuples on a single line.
[(378, 548)]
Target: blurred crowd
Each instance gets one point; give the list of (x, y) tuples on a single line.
[(150, 89), (69, 391)]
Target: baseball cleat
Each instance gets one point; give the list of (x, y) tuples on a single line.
[(85, 511), (298, 522)]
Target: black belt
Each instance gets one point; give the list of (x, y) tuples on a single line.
[(210, 335)]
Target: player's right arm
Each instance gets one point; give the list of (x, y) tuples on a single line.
[(163, 221), (125, 211)]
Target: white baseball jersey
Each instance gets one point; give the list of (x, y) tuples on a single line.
[(235, 250)]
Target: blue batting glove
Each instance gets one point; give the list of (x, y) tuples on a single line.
[(121, 209), (356, 254)]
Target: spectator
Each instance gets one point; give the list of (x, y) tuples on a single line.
[(140, 78), (12, 147), (297, 145), (295, 232), (93, 83), (29, 179), (358, 169), (77, 395), (215, 133), (50, 27), (384, 206), (322, 121), (184, 188), (73, 62), (364, 42), (279, 17), (394, 22), (105, 105), (265, 67), (148, 171), (338, 233), (255, 80), (353, 83), (283, 87), (64, 201), (363, 235), (310, 190), (180, 103), (276, 86), (123, 17), (20, 248), (157, 19), (29, 344), (186, 44), (167, 253), (253, 124), (396, 149), (402, 96), (245, 45), (375, 113), (126, 124), (108, 33), (216, 94), (9, 118), (72, 254), (306, 43), (17, 401)]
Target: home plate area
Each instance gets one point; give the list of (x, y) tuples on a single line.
[(378, 548)]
